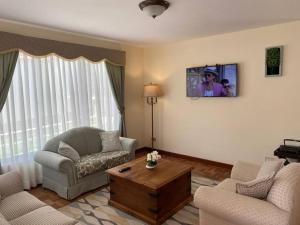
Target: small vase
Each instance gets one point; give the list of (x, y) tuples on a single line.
[(151, 165)]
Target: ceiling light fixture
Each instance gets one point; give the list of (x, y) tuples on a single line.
[(154, 8)]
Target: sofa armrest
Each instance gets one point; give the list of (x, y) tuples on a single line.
[(129, 144), (10, 183), (57, 162), (239, 209), (244, 171)]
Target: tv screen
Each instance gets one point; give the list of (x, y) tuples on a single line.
[(212, 81)]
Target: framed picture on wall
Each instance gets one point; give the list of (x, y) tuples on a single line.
[(273, 61)]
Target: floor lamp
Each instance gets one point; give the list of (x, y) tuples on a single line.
[(152, 92)]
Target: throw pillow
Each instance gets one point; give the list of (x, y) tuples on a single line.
[(258, 188), (269, 166), (284, 192), (68, 151), (111, 141)]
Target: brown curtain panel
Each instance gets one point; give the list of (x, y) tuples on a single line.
[(7, 67), (116, 76), (42, 47)]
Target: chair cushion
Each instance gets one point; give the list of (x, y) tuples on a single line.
[(269, 166), (44, 216), (100, 161), (228, 185), (17, 205), (285, 187), (110, 141), (258, 188), (68, 151), (3, 221), (10, 183)]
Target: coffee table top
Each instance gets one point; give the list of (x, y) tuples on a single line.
[(165, 172)]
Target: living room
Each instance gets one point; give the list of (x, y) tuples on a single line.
[(83, 69)]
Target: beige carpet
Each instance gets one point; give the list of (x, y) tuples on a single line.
[(94, 209)]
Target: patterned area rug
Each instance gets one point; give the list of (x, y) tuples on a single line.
[(94, 209)]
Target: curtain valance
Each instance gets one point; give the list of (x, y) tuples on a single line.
[(42, 47)]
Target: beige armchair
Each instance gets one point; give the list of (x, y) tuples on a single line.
[(221, 205)]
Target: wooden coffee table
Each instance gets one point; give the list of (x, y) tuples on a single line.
[(151, 195)]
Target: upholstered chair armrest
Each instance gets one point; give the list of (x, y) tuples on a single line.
[(244, 171), (10, 183), (129, 144), (239, 209), (57, 162)]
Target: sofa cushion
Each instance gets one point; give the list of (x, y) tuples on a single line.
[(285, 187), (84, 139), (110, 141), (44, 216), (100, 161), (68, 151), (19, 204)]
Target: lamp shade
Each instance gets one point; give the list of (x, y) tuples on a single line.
[(154, 10), (152, 90)]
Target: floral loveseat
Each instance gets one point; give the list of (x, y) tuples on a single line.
[(69, 179)]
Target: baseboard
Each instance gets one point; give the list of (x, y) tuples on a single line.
[(143, 150), (192, 158)]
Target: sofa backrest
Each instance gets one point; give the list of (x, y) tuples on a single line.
[(286, 188), (85, 140)]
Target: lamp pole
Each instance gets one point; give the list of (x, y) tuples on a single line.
[(151, 101), (151, 92)]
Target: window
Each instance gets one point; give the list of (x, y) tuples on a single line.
[(50, 95)]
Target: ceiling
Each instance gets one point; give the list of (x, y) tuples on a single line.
[(122, 20)]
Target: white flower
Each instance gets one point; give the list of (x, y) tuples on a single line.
[(148, 157), (153, 156)]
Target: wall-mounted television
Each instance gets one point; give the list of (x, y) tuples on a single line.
[(212, 81)]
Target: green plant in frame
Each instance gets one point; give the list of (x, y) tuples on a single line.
[(273, 61)]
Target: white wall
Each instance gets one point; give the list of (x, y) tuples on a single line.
[(227, 129), (134, 102)]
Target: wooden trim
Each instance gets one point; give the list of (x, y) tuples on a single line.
[(187, 157), (143, 150)]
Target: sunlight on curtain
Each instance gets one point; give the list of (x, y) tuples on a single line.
[(48, 96)]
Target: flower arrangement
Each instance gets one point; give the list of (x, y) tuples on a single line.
[(152, 159)]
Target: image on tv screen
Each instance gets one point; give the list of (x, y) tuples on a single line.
[(212, 81)]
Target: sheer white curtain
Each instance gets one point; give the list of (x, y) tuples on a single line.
[(49, 95)]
